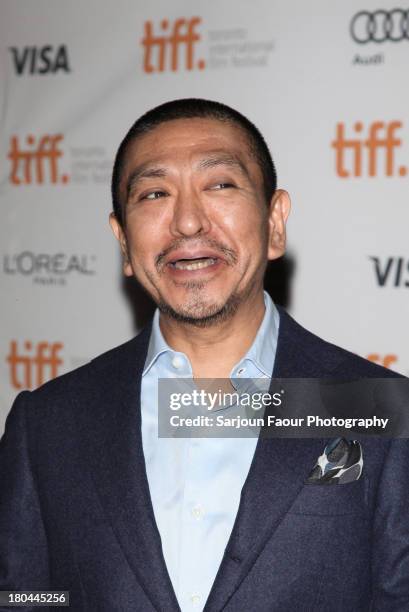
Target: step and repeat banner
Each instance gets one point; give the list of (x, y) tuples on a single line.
[(327, 85)]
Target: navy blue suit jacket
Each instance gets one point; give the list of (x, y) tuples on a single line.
[(76, 514)]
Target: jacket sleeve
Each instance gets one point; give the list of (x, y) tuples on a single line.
[(390, 561), (23, 542)]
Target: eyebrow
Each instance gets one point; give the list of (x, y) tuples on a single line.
[(142, 172), (145, 171), (223, 159)]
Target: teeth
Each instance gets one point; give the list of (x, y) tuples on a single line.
[(194, 265)]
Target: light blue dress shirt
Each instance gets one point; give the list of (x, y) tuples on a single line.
[(195, 483)]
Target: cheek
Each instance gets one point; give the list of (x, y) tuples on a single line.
[(246, 227), (145, 236), (141, 247)]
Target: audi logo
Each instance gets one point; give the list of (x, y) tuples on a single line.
[(380, 26)]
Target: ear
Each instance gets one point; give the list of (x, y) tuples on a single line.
[(120, 236), (280, 206)]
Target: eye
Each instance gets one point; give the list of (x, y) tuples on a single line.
[(219, 186), (153, 195)]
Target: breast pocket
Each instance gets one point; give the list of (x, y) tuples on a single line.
[(332, 500)]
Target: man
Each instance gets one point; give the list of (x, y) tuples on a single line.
[(93, 502)]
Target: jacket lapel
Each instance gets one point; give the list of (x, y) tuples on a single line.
[(117, 465), (279, 469)]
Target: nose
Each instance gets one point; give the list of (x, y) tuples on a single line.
[(189, 215)]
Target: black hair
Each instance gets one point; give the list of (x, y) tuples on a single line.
[(192, 108)]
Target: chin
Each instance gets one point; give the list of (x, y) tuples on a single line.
[(201, 313)]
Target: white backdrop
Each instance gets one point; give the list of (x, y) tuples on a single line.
[(325, 82)]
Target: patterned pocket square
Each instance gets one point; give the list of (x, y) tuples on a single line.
[(340, 463)]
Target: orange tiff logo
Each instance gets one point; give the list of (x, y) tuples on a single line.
[(384, 360), (37, 162), (162, 51), (33, 366), (376, 150)]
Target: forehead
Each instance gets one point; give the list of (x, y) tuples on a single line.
[(185, 139)]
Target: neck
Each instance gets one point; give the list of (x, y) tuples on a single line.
[(214, 350)]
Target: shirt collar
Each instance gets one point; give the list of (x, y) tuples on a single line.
[(261, 353), (157, 344)]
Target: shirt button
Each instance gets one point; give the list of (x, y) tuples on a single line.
[(241, 371), (197, 512), (177, 362), (195, 599)]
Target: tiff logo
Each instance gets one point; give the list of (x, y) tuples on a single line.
[(40, 60), (391, 271), (162, 51), (384, 360), (38, 162), (28, 369), (381, 139)]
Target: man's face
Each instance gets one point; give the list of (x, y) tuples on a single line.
[(198, 232)]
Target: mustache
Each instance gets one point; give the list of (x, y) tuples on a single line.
[(228, 254)]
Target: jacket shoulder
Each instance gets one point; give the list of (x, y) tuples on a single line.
[(105, 367), (326, 358)]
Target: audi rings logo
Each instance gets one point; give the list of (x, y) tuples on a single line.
[(380, 26)]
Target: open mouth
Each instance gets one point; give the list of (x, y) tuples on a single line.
[(197, 263)]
